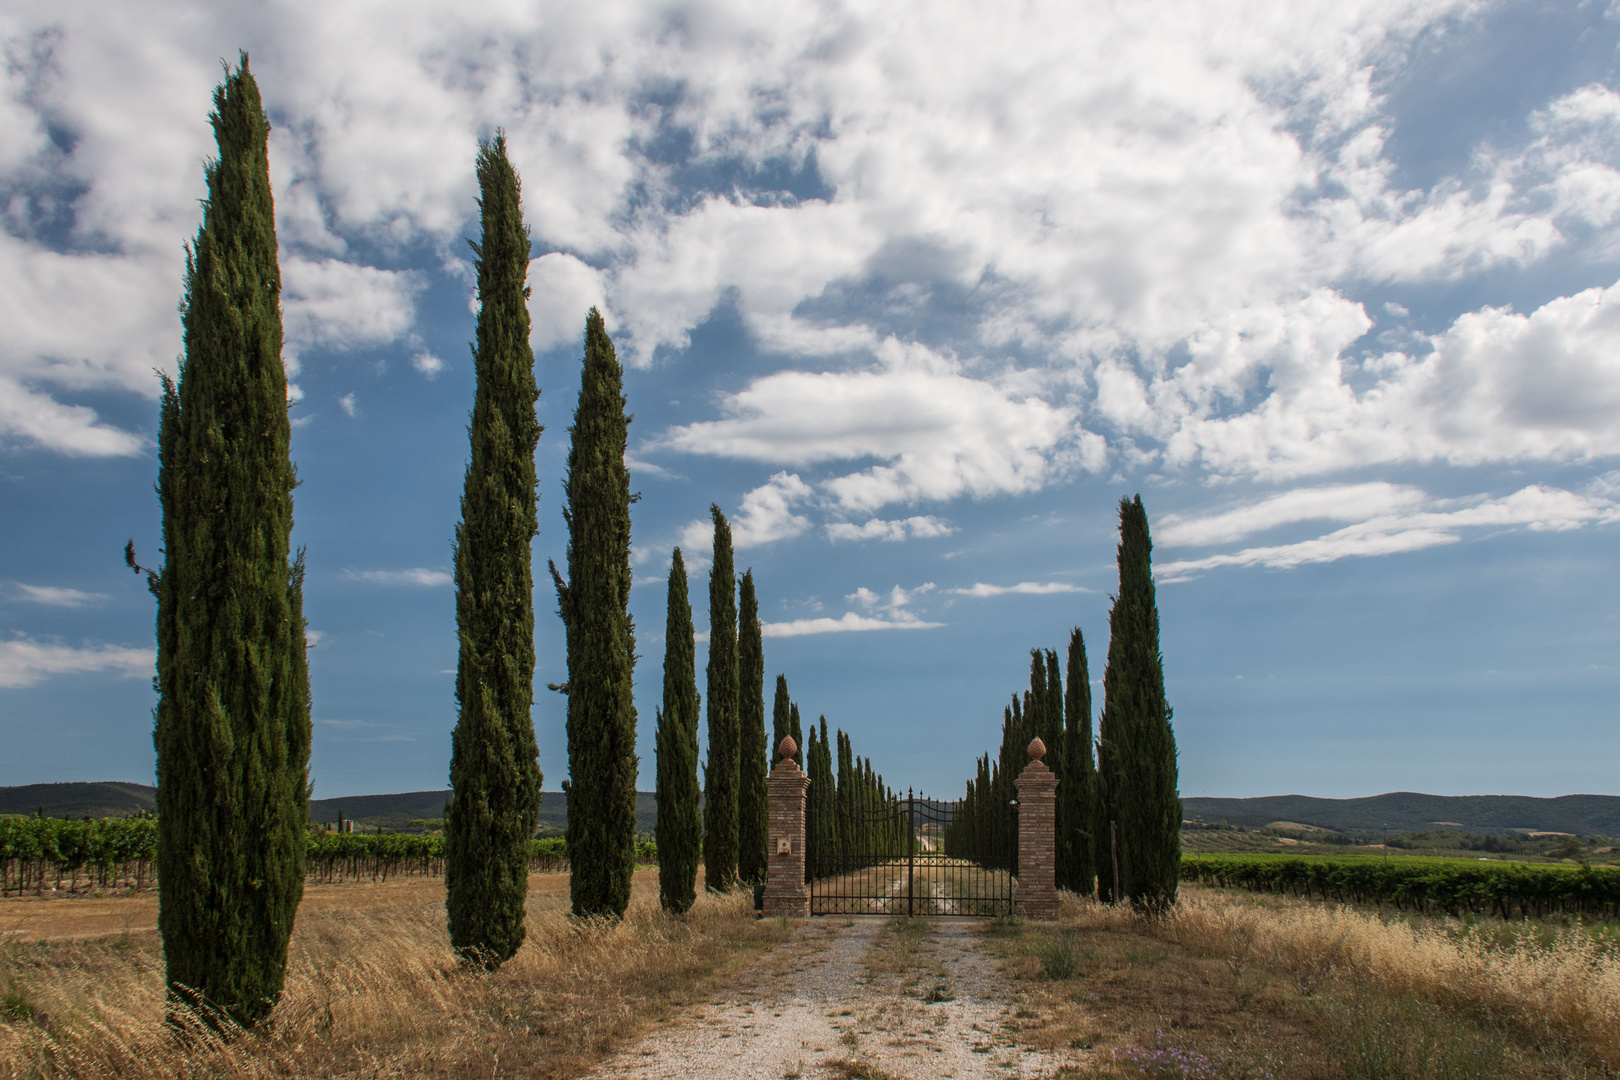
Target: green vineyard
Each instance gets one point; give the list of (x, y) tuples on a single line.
[(39, 854), (1425, 885)]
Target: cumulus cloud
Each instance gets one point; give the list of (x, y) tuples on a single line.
[(1334, 502), (1536, 508), (937, 433), (849, 622), (921, 527), (56, 596), (338, 305), (419, 576), (1165, 212), (766, 515), (24, 662)]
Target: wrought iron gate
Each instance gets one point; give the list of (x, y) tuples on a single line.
[(910, 856)]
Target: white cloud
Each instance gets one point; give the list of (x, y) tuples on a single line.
[(766, 515), (1337, 502), (420, 575), (848, 623), (348, 404), (428, 364), (1162, 210), (562, 289), (332, 304), (1536, 508), (923, 527), (938, 434), (26, 663), (55, 596), (1023, 588)]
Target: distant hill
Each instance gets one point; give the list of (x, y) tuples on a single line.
[(385, 811), (108, 799), (1401, 811), (1406, 811)]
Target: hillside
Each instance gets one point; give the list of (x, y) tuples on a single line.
[(1406, 811), (385, 811), (1400, 811)]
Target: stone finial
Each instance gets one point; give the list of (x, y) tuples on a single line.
[(1037, 749), (787, 748)]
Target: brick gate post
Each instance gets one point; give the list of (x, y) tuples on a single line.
[(1037, 838), (785, 890)]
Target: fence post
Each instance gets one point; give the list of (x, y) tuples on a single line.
[(1036, 897), (785, 890)]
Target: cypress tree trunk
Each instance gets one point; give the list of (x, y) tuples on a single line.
[(233, 729), (1139, 745), (721, 770), (679, 832), (753, 762), (493, 769), (594, 604), (1077, 799)]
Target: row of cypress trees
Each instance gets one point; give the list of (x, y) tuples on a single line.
[(1121, 808)]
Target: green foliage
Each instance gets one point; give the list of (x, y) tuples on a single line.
[(1077, 796), (781, 721), (594, 604), (1138, 748), (680, 832), (493, 768), (753, 760), (1429, 886), (821, 807), (233, 729), (721, 773)]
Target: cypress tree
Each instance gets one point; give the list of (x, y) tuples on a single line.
[(797, 733), (721, 771), (781, 719), (824, 797), (754, 755), (1077, 798), (679, 832), (232, 729), (1139, 744), (594, 604), (494, 773)]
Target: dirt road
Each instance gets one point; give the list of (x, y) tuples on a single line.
[(834, 1002)]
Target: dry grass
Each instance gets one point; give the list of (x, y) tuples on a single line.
[(374, 990), (1567, 991), (1230, 986)]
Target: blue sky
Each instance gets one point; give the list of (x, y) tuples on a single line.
[(916, 292)]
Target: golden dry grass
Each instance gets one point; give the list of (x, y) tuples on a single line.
[(1278, 987), (374, 990)]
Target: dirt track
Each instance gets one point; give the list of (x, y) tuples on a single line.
[(814, 1009)]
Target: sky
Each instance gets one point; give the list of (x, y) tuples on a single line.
[(916, 291)]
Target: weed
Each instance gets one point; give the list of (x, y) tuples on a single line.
[(1147, 957), (938, 994), (16, 1007)]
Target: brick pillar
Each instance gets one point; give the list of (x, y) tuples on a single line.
[(785, 890), (1036, 897)]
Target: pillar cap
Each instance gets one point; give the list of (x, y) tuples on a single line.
[(1037, 749), (787, 748)]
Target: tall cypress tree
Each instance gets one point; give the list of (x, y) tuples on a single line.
[(797, 733), (679, 832), (753, 755), (493, 768), (721, 770), (232, 726), (1077, 798), (1139, 745), (781, 718), (594, 604)]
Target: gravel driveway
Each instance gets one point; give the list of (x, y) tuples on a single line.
[(814, 1009)]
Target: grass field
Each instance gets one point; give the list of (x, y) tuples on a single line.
[(372, 990), (1236, 986)]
